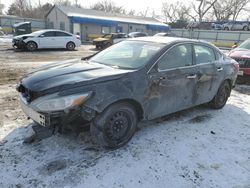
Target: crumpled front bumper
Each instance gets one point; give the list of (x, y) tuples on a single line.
[(44, 119), (61, 118), (18, 43)]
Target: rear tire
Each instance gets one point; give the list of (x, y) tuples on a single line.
[(245, 28), (221, 97), (70, 46), (115, 126), (31, 46)]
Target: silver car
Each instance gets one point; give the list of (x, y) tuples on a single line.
[(234, 25)]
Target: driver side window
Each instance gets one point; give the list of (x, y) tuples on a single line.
[(178, 56)]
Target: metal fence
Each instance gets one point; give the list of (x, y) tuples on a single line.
[(218, 37), (6, 22)]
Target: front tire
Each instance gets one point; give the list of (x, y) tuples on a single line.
[(70, 46), (220, 99), (115, 126), (31, 46)]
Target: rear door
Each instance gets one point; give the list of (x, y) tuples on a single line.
[(62, 39), (47, 39), (205, 60), (171, 87)]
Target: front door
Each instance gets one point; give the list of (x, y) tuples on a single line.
[(172, 82), (47, 40)]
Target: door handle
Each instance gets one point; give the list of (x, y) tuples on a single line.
[(193, 76), (219, 69), (162, 78)]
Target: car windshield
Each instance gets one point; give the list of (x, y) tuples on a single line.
[(245, 44), (128, 54)]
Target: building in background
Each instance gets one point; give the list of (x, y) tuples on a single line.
[(90, 24)]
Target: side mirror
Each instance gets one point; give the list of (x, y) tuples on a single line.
[(41, 36)]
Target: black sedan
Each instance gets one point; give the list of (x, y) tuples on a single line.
[(137, 79)]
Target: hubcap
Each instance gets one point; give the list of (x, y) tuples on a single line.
[(70, 46), (31, 46), (118, 126)]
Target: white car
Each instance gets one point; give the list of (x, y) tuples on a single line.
[(47, 39), (236, 25)]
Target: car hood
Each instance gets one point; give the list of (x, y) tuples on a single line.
[(69, 74), (240, 53), (25, 35), (100, 39)]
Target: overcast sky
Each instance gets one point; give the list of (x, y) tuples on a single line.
[(137, 5)]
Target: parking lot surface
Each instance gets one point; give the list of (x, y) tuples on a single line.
[(198, 147)]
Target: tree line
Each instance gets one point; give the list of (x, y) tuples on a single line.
[(205, 10), (194, 10)]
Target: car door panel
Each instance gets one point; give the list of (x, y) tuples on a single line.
[(171, 91), (207, 73), (220, 74), (47, 40), (205, 82), (172, 85), (62, 39)]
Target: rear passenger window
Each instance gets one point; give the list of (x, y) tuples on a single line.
[(203, 54), (178, 56), (62, 34)]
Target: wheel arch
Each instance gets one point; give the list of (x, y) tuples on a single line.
[(70, 42), (32, 41), (37, 46), (137, 105)]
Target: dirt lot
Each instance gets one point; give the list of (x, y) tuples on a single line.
[(198, 147), (14, 64)]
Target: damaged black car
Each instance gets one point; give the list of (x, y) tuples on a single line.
[(137, 79)]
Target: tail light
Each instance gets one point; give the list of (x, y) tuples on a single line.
[(78, 37)]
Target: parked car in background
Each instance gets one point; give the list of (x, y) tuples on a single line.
[(236, 25), (169, 34), (199, 25), (109, 39), (133, 80), (241, 54), (217, 26), (21, 28), (48, 38), (137, 34)]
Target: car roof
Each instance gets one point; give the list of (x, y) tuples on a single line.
[(45, 30), (164, 40), (169, 40)]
